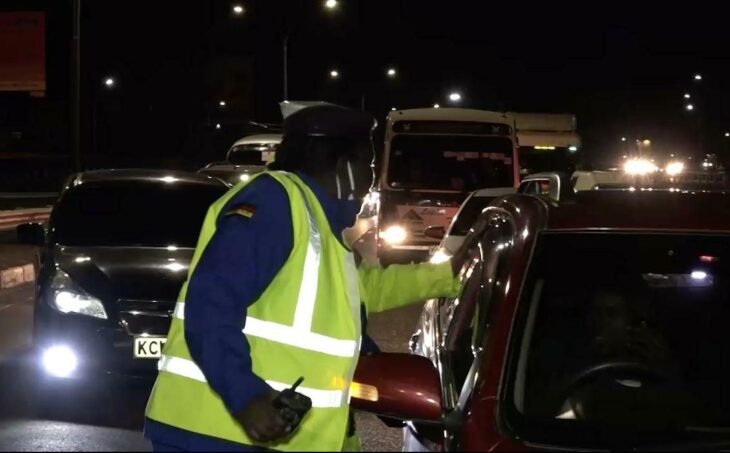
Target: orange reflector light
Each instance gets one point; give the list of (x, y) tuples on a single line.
[(364, 392)]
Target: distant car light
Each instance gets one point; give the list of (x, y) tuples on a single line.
[(573, 149), (675, 168), (699, 275), (440, 256), (640, 167), (394, 235), (60, 361)]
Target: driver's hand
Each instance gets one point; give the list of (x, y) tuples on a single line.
[(470, 244)]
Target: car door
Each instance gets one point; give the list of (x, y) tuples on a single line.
[(464, 322)]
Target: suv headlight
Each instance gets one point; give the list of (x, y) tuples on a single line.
[(67, 297)]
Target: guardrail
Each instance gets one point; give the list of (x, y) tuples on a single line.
[(11, 219)]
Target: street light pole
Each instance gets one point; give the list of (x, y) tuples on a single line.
[(76, 87), (285, 48)]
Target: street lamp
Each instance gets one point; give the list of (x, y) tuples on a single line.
[(334, 74), (698, 77), (392, 73), (331, 4), (239, 10), (690, 107), (393, 109), (455, 97), (727, 134), (110, 82), (436, 106), (687, 96), (222, 104), (623, 139)]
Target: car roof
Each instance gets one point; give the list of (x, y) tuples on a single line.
[(142, 175), (258, 139), (450, 114), (652, 210)]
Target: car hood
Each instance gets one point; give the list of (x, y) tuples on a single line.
[(126, 273)]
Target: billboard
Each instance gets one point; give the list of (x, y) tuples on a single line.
[(23, 51)]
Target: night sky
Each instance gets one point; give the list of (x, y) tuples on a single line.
[(621, 68)]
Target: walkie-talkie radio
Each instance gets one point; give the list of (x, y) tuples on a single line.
[(293, 406)]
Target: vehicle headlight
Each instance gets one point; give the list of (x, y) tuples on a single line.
[(68, 298), (394, 235), (245, 177), (675, 168), (440, 256), (640, 167), (60, 361)]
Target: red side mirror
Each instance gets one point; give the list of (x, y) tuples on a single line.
[(400, 386)]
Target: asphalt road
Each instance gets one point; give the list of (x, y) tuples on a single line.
[(109, 415)]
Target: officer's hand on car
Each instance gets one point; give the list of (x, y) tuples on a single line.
[(262, 421), (470, 243)]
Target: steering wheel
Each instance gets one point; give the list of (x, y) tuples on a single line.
[(620, 370)]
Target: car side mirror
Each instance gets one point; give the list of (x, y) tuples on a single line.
[(31, 234), (435, 232), (398, 386)]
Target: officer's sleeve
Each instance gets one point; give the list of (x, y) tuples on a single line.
[(401, 285), (252, 242)]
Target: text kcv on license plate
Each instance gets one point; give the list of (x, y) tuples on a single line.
[(148, 347)]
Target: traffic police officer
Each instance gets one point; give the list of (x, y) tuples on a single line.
[(274, 294)]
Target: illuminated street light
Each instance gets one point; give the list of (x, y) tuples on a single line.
[(222, 104), (727, 134), (690, 107), (331, 4), (623, 139), (436, 106), (218, 126), (334, 74), (674, 168), (393, 109), (455, 97), (687, 96), (392, 73), (110, 82), (239, 10), (698, 77), (647, 142)]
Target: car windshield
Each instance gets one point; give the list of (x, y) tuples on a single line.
[(254, 154), (141, 214), (624, 340), (453, 163)]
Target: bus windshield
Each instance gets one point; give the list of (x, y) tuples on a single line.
[(453, 163)]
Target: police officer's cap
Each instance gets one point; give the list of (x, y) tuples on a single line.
[(329, 120)]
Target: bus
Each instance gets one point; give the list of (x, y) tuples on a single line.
[(548, 142), (433, 158)]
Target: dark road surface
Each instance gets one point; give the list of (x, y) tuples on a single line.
[(108, 415)]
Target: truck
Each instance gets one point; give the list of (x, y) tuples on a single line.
[(548, 142)]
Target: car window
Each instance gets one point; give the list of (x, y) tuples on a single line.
[(465, 322), (621, 331), (142, 214)]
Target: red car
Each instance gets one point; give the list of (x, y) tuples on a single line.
[(596, 323)]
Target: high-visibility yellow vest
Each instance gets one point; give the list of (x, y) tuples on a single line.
[(306, 323)]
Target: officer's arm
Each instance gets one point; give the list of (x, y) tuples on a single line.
[(401, 285), (252, 242)]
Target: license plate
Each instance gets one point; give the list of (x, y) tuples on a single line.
[(148, 347)]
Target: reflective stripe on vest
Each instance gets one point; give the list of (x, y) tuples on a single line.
[(290, 336), (320, 398)]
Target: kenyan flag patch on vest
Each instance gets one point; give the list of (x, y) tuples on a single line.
[(243, 210)]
